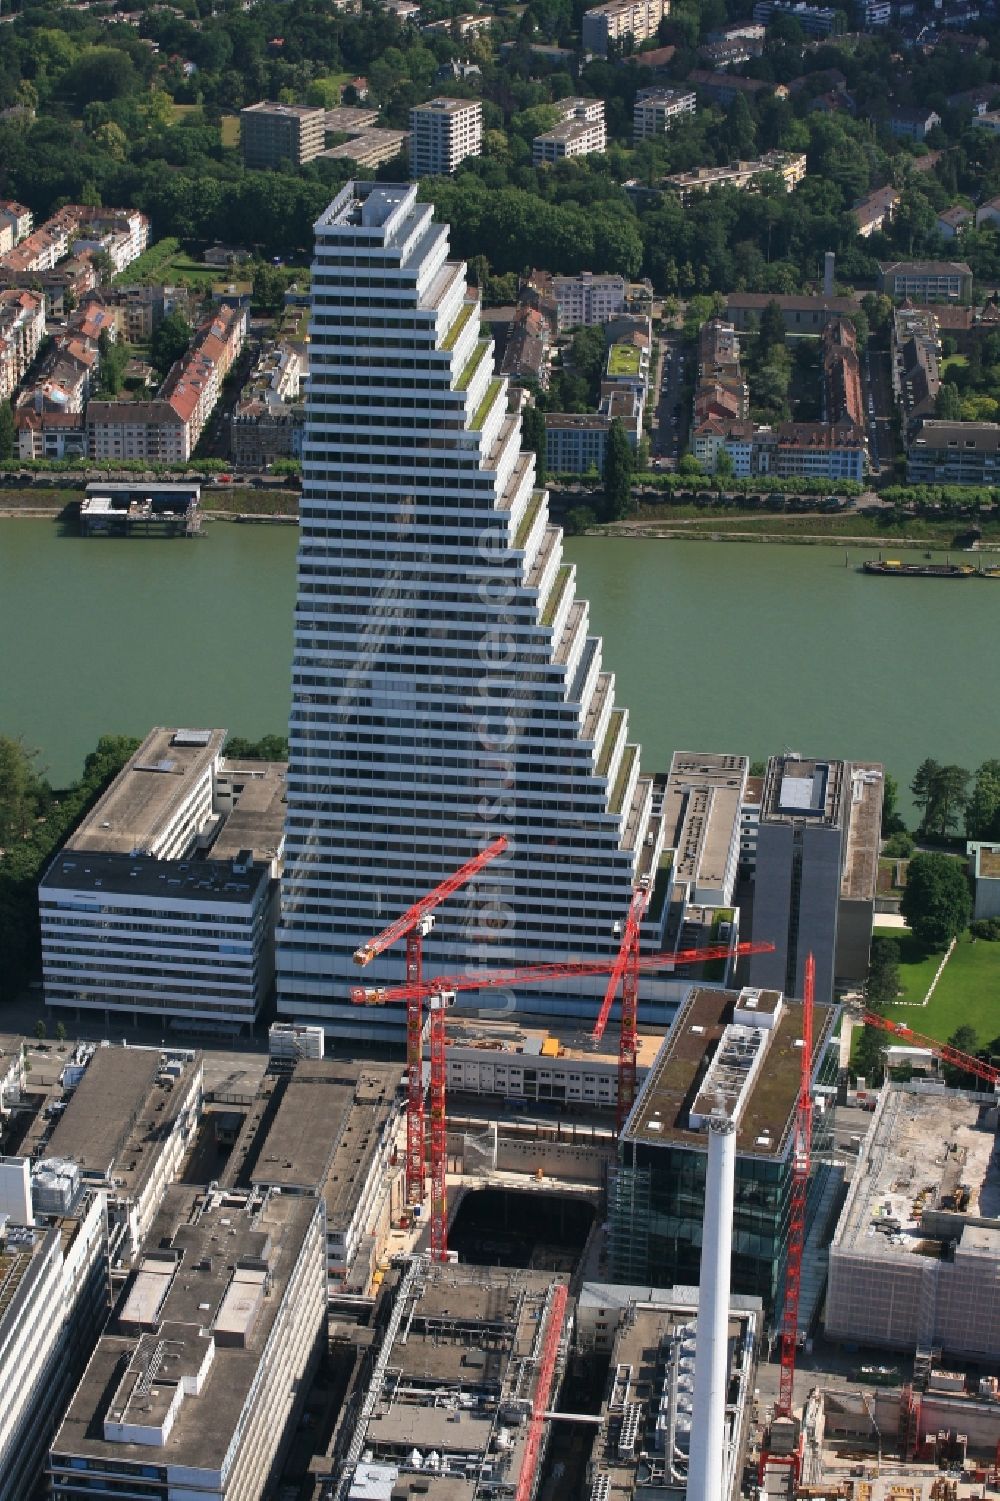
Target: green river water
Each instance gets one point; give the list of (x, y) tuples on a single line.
[(716, 646)]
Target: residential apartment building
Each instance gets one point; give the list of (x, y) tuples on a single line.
[(954, 453), (926, 281), (875, 210), (656, 110), (588, 298), (789, 166), (53, 1305), (603, 25), (580, 132), (202, 1378), (369, 148), (443, 132), (813, 450), (418, 426), (268, 419), (817, 870), (163, 902), (916, 373), (140, 310), (721, 391), (274, 135), (22, 328), (912, 124), (815, 20), (575, 443), (121, 234), (15, 224), (874, 14)]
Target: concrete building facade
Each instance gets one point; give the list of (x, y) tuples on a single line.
[(274, 135), (389, 769), (443, 132), (604, 25), (656, 110)]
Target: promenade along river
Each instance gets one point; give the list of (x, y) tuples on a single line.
[(716, 646)]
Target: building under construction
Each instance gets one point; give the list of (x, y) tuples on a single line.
[(915, 1261), (744, 1044), (642, 1446), (449, 1399)]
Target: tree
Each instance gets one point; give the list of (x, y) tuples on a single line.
[(869, 1054), (170, 340), (982, 811), (950, 797), (772, 327), (8, 431), (533, 437), (966, 1040), (739, 133), (948, 403), (41, 1031), (618, 466), (883, 973), (60, 1031), (936, 901), (891, 821)]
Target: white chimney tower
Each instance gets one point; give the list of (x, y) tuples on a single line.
[(711, 1365)]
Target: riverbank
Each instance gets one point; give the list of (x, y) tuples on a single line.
[(809, 530)]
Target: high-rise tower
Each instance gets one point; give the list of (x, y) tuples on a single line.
[(445, 687)]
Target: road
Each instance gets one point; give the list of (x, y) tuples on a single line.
[(670, 430), (880, 409)]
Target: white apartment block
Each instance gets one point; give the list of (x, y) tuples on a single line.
[(656, 110), (15, 224), (163, 902), (122, 237), (22, 328), (446, 687), (443, 132), (588, 298), (53, 1299), (580, 132), (618, 19)]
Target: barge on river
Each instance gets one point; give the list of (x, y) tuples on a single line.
[(893, 568)]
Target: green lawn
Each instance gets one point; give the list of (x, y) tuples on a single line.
[(231, 131), (954, 362), (968, 992)]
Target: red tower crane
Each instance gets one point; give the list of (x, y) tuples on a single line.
[(441, 993), (415, 923), (543, 1391), (967, 1062), (626, 975), (801, 1154)]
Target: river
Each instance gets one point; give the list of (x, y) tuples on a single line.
[(716, 646)]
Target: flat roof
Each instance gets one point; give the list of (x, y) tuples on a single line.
[(144, 795), (211, 1244), (117, 1116), (327, 1131), (701, 808), (142, 875), (925, 1150), (805, 791), (511, 1038), (624, 359), (671, 1088), (257, 821), (859, 877)]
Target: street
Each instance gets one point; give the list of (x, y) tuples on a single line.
[(670, 427), (880, 409)]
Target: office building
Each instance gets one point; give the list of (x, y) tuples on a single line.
[(817, 870), (126, 1126), (926, 281), (455, 1366), (53, 1302), (644, 1438), (701, 810), (953, 453), (279, 135), (915, 1258), (656, 110), (750, 1041), (334, 1137), (369, 148), (984, 873), (618, 19), (443, 132), (163, 901), (414, 737), (198, 1386)]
